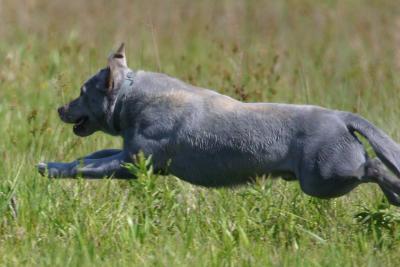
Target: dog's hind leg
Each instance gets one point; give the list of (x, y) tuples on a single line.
[(375, 171), (391, 196)]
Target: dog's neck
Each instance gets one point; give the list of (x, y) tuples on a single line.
[(115, 103)]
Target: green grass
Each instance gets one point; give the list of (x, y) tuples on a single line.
[(338, 54)]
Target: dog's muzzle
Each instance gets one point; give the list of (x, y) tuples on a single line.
[(61, 111)]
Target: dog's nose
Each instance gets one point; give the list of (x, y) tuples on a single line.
[(60, 111)]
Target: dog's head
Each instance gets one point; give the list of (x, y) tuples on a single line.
[(89, 111)]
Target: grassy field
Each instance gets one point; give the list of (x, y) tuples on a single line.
[(338, 54)]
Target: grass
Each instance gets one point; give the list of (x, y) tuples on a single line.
[(338, 54)]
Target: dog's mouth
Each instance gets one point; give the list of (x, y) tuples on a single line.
[(79, 124)]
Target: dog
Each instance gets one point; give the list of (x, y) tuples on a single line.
[(213, 140)]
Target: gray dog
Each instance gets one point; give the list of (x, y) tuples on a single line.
[(212, 140)]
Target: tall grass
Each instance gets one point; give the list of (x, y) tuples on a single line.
[(339, 54)]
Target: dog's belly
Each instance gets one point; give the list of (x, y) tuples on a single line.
[(226, 167), (210, 174)]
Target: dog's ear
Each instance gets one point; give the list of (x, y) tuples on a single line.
[(117, 65)]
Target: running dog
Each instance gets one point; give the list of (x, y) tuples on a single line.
[(212, 140)]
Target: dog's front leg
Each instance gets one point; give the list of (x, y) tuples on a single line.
[(89, 168)]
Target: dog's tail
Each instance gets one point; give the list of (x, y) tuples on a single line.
[(385, 148)]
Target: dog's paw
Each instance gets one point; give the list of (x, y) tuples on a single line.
[(51, 169), (56, 169), (42, 168)]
